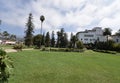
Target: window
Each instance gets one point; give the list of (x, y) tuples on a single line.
[(98, 39), (117, 40), (88, 35), (86, 39)]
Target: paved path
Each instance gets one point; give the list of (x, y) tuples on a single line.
[(10, 50), (13, 50)]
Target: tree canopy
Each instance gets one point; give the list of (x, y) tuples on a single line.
[(29, 31), (107, 31)]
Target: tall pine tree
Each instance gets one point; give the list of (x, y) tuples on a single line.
[(62, 37), (52, 39), (29, 31), (70, 43), (43, 39), (58, 39), (65, 40), (62, 40), (47, 39)]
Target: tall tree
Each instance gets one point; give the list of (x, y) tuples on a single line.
[(107, 32), (47, 39), (65, 43), (43, 39), (6, 35), (52, 39), (13, 37), (73, 40), (70, 43), (62, 40), (42, 18), (58, 39), (29, 31)]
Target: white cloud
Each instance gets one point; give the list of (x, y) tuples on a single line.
[(75, 13)]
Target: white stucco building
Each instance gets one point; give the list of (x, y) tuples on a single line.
[(116, 38), (8, 42), (90, 36), (5, 42)]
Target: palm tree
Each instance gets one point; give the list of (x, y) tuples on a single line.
[(74, 39), (13, 37), (6, 35), (42, 18), (107, 32)]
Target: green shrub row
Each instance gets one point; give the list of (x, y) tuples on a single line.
[(63, 49), (105, 51), (109, 45)]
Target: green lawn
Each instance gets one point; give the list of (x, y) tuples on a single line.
[(6, 46), (65, 67)]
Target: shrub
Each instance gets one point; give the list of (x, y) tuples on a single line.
[(105, 45), (117, 47), (62, 49), (79, 45), (68, 50), (43, 49), (89, 46), (78, 50), (53, 49), (5, 66), (18, 47), (37, 40), (105, 51), (2, 52)]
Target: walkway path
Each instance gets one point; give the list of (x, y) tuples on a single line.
[(13, 50), (10, 50)]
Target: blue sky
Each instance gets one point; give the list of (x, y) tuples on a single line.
[(72, 15)]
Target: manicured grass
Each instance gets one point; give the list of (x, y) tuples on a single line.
[(65, 67), (6, 46)]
